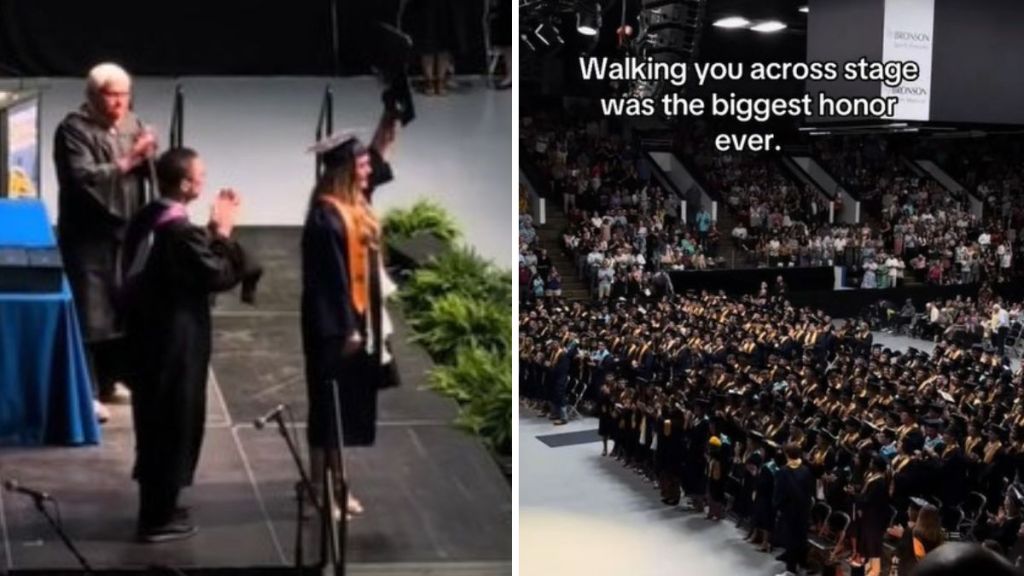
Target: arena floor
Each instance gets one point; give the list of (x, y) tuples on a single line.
[(606, 520)]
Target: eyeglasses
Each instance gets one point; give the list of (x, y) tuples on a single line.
[(115, 94)]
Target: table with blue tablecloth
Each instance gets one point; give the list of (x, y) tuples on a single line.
[(45, 390)]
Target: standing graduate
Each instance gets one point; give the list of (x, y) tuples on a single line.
[(342, 308), (174, 267), (873, 514), (794, 490)]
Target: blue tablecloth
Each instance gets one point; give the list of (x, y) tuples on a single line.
[(45, 391), (23, 223)]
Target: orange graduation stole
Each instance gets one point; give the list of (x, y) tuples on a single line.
[(361, 233)]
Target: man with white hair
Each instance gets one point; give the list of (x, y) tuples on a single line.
[(102, 153)]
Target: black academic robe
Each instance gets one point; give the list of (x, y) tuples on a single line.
[(671, 447), (953, 474), (559, 375), (170, 342), (873, 511), (762, 513), (695, 461), (96, 202), (328, 319), (794, 490), (1006, 533)]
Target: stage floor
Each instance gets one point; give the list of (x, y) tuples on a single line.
[(436, 501)]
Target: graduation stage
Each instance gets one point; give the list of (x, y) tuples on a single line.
[(436, 502)]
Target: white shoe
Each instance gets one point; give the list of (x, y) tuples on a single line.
[(354, 507), (102, 412), (121, 394)]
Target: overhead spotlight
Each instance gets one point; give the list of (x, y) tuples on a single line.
[(540, 36), (768, 26), (588, 20), (548, 34), (732, 22), (804, 9), (526, 40)]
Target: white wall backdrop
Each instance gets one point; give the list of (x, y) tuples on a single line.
[(253, 134)]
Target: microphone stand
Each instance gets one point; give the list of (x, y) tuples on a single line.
[(38, 501), (303, 489), (332, 545), (304, 481)]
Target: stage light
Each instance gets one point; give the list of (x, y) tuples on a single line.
[(768, 26), (540, 36), (548, 34), (732, 22), (804, 9), (526, 40), (588, 20)]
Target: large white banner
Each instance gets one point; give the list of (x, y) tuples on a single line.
[(908, 35)]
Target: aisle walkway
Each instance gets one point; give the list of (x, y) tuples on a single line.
[(580, 513)]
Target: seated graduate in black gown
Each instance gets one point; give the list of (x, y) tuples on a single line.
[(173, 268)]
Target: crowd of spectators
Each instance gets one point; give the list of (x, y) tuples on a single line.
[(625, 230), (538, 277), (931, 230)]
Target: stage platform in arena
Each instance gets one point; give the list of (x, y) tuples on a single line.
[(436, 501)]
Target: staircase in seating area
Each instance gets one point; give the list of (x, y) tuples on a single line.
[(549, 237), (728, 248)]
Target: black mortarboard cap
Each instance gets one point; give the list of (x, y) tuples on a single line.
[(338, 150)]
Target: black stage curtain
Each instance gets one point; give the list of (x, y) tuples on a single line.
[(193, 37)]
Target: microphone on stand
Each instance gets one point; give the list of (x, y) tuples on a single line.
[(12, 485), (274, 414)]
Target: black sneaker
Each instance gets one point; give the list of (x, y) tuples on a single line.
[(181, 514), (167, 533)]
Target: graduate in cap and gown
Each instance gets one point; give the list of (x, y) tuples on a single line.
[(342, 296), (793, 492), (872, 506)]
